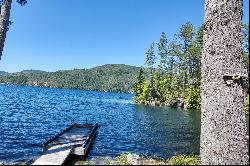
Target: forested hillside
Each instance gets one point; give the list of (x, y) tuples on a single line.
[(111, 78), (3, 73)]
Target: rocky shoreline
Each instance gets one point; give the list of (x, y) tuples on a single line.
[(135, 159)]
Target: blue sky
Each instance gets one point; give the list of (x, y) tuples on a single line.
[(52, 35)]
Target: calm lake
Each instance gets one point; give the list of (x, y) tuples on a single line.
[(31, 115)]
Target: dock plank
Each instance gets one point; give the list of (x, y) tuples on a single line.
[(76, 141), (55, 155)]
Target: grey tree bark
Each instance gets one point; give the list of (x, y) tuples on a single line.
[(4, 21), (223, 121)]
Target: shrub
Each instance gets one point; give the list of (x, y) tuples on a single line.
[(184, 160), (192, 98), (123, 159), (145, 95)]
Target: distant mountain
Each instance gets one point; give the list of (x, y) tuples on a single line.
[(3, 73), (32, 71), (110, 78)]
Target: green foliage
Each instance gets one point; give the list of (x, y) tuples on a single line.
[(184, 160), (166, 90), (187, 32), (123, 159), (246, 103), (162, 51), (245, 55), (245, 32), (138, 86), (178, 75), (150, 58), (192, 98), (178, 68), (3, 73), (111, 78), (145, 96), (108, 162)]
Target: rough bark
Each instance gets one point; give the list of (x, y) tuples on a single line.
[(223, 121), (4, 21)]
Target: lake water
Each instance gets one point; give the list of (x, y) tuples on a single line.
[(31, 115)]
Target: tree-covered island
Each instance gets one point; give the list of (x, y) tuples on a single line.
[(175, 70)]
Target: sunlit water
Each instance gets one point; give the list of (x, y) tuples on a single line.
[(31, 115)]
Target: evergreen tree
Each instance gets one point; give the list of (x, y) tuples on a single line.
[(181, 59), (139, 85), (145, 97), (162, 51), (150, 61), (179, 66), (192, 98), (186, 36)]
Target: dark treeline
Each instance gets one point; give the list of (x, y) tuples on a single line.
[(110, 78), (175, 69)]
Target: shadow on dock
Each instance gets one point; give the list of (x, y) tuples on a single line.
[(72, 159), (70, 145)]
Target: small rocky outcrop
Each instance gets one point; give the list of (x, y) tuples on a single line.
[(179, 103)]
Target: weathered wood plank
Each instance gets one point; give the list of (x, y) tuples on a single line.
[(74, 140), (56, 155)]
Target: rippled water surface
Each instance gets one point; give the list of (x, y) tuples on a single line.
[(30, 115)]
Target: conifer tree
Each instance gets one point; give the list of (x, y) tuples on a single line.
[(138, 86), (150, 61)]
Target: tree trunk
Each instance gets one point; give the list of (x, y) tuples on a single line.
[(223, 121), (4, 21)]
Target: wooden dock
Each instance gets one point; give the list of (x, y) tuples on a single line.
[(75, 139)]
